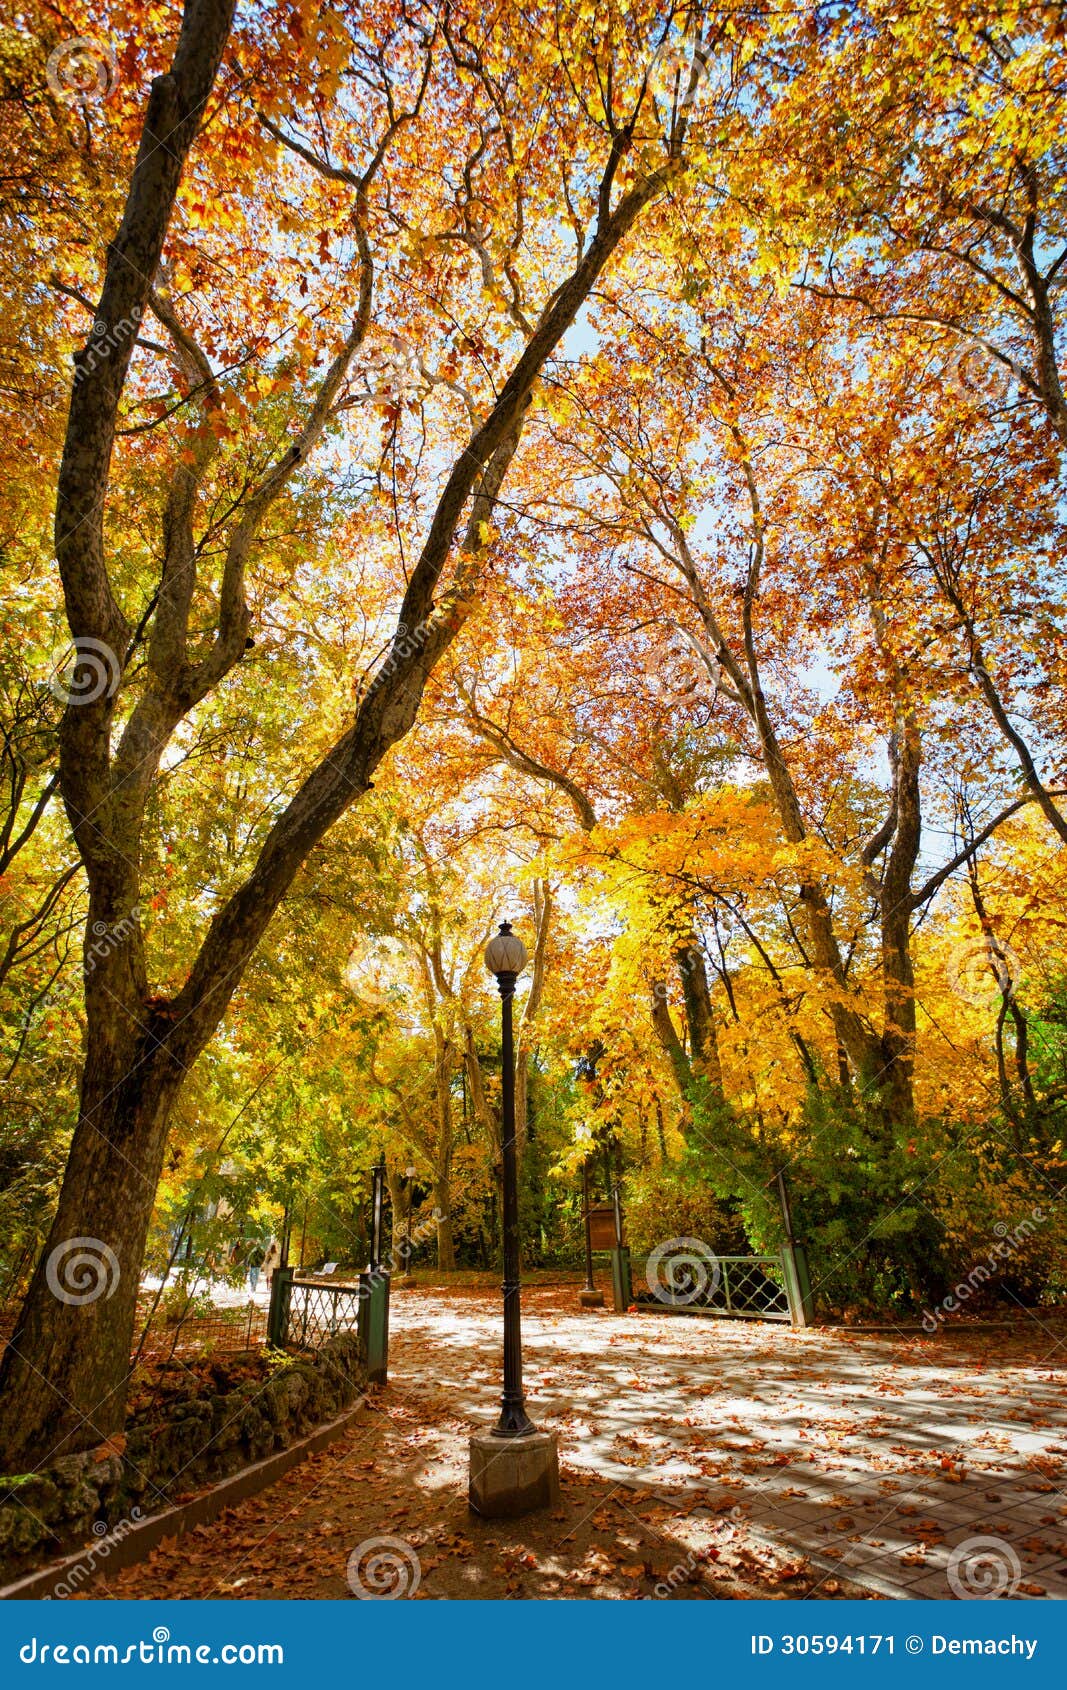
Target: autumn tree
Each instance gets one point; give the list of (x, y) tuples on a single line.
[(344, 121)]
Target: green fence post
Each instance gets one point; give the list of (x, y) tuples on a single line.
[(798, 1284), (373, 1327), (622, 1290), (281, 1286)]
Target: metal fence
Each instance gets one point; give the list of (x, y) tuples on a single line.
[(745, 1287), (308, 1312), (162, 1333), (218, 1331)]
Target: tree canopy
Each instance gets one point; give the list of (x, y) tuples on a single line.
[(598, 466)]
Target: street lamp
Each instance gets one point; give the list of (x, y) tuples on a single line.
[(514, 1469), (505, 957), (589, 1297), (408, 1278), (377, 1175)]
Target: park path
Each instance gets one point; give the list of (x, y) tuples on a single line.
[(700, 1458)]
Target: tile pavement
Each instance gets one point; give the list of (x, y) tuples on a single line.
[(878, 1458)]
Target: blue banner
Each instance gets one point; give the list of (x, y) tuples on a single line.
[(545, 1646)]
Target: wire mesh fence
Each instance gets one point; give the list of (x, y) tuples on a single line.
[(314, 1312), (214, 1330), (745, 1287)]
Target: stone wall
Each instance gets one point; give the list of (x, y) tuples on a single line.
[(204, 1439)]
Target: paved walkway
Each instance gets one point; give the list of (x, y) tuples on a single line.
[(700, 1458), (876, 1456)]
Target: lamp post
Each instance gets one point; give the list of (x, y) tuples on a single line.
[(377, 1204), (505, 957), (514, 1469), (589, 1297), (407, 1279)]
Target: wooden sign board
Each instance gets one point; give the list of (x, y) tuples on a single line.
[(602, 1226)]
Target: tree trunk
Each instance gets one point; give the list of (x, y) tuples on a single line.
[(63, 1376), (898, 974), (446, 1250), (667, 1034), (446, 1256), (543, 919), (483, 1115), (129, 1085), (699, 1015)]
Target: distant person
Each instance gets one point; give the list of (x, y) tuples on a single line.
[(256, 1258), (271, 1260)]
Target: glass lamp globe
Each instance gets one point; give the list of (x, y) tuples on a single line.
[(506, 953)]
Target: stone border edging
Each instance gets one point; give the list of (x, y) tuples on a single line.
[(139, 1541)]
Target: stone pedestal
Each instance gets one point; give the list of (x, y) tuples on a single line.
[(591, 1299), (512, 1476)]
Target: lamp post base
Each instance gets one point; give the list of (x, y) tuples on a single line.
[(590, 1298), (513, 1476)]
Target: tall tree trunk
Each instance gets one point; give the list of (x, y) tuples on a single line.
[(898, 974), (446, 1249), (524, 1031), (129, 1085), (667, 1034), (68, 1361), (446, 1255), (699, 1014), (661, 1135)]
